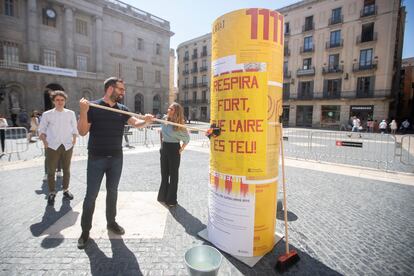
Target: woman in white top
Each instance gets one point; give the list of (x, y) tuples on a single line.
[(393, 126), (34, 125)]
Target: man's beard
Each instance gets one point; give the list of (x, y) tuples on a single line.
[(116, 98)]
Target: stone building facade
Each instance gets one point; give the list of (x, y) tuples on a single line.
[(75, 45), (341, 58), (406, 108), (172, 92), (194, 65)]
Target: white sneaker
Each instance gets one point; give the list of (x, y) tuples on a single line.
[(59, 174)]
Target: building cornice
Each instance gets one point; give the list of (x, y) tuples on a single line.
[(197, 39), (298, 5)]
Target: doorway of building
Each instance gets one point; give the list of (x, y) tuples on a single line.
[(285, 116), (363, 112), (304, 115), (46, 95)]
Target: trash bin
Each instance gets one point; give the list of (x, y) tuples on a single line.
[(203, 260)]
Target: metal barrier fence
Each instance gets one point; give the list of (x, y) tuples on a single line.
[(296, 142), (406, 150), (353, 148), (15, 140), (383, 151), (362, 149)]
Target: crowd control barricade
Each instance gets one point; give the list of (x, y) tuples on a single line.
[(407, 150), (354, 148), (296, 142), (16, 141)]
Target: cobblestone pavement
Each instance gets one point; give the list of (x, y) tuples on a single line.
[(338, 224)]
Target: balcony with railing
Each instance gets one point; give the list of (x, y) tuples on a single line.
[(203, 53), (286, 52), (366, 38), (203, 84), (195, 101), (305, 71), (327, 94), (332, 95), (332, 69), (186, 72), (334, 44), (203, 68), (194, 85), (368, 10), (357, 67), (309, 49), (336, 20), (308, 27), (186, 86), (186, 58), (194, 70), (305, 95), (286, 94), (131, 11), (368, 94), (287, 74), (287, 32), (194, 56)]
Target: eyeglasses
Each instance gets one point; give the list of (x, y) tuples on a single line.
[(120, 88)]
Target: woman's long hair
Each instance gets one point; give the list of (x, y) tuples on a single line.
[(178, 116)]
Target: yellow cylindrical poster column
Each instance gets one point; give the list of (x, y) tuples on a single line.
[(246, 103)]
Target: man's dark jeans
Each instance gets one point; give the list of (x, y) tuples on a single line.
[(98, 166)]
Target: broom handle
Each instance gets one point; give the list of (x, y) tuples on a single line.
[(284, 189), (141, 117)]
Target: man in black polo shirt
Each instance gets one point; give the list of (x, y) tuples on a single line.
[(106, 130)]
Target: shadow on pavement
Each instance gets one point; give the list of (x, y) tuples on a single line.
[(123, 261), (280, 215), (44, 189), (191, 224), (50, 217), (307, 265)]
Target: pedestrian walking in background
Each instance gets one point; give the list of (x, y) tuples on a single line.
[(383, 126), (106, 129), (393, 127), (356, 125), (171, 149), (126, 133), (3, 125), (34, 125), (405, 126), (370, 125), (23, 119), (58, 132)]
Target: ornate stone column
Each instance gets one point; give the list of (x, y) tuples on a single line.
[(98, 44), (68, 40), (32, 32)]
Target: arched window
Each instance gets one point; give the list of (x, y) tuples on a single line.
[(50, 88), (156, 105), (139, 103)]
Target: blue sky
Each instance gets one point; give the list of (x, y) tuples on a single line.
[(191, 18)]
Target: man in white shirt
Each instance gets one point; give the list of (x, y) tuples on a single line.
[(58, 131)]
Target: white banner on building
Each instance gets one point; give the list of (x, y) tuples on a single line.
[(51, 70)]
